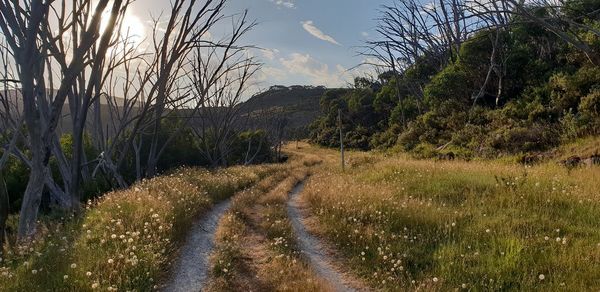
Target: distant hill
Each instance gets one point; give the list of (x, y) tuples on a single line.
[(15, 105), (299, 105)]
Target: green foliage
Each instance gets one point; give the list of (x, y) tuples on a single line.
[(15, 175), (534, 137), (359, 118), (251, 147), (443, 87), (539, 93), (577, 8), (568, 90)]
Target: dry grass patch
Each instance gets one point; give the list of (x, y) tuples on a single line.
[(255, 245), (424, 225)]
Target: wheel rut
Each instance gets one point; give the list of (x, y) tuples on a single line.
[(315, 250), (190, 270)]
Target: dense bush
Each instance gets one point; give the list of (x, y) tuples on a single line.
[(540, 92), (251, 147), (245, 147)]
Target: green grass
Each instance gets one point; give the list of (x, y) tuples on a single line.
[(424, 225)]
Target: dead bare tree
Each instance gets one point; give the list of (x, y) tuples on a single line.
[(124, 104), (6, 121), (184, 70), (492, 19), (557, 22), (556, 18), (162, 87), (11, 118), (88, 89), (411, 31), (496, 17), (186, 28), (221, 76), (31, 32)]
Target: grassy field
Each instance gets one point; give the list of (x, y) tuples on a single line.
[(126, 240), (395, 223), (403, 224)]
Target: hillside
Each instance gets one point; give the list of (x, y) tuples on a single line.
[(520, 90), (297, 105)]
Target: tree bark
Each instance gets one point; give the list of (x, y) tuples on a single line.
[(33, 194), (76, 166), (57, 196)]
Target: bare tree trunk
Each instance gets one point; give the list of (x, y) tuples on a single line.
[(137, 147), (63, 164), (397, 76), (35, 37), (57, 196), (151, 166), (76, 167), (33, 193)]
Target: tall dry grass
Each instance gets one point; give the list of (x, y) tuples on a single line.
[(404, 224)]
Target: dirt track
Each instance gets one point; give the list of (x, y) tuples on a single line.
[(314, 249), (190, 271)]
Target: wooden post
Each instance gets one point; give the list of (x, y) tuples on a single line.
[(341, 138)]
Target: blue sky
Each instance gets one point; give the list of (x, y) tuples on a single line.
[(310, 42)]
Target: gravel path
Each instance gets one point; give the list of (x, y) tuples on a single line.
[(312, 247), (190, 270)]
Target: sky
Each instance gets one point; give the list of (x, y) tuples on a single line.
[(303, 42)]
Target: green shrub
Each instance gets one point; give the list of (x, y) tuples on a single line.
[(590, 104), (524, 139), (451, 84), (425, 151)]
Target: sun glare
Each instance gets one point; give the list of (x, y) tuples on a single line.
[(132, 27)]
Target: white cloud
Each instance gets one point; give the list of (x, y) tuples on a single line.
[(319, 73), (297, 66), (270, 54), (316, 32), (271, 74), (286, 4), (364, 34)]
